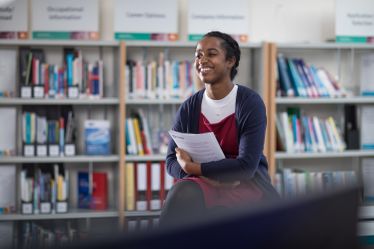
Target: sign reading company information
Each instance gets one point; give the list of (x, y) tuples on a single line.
[(231, 17), (146, 20), (354, 21), (67, 19), (13, 20)]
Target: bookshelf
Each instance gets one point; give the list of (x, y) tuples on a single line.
[(342, 61), (114, 106), (106, 107)]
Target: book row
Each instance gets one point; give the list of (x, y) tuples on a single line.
[(298, 79), (164, 79), (51, 131), (146, 133), (292, 183), (302, 133), (46, 132), (147, 184), (44, 189), (75, 78)]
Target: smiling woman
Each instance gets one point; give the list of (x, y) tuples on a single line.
[(237, 117)]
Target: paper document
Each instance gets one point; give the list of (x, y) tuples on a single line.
[(201, 147)]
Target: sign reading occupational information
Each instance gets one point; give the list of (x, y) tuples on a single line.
[(146, 20), (231, 17), (354, 21), (68, 19), (13, 20)]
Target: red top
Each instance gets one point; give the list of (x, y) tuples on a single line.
[(225, 132)]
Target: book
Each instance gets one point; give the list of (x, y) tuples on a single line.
[(351, 131), (84, 196), (284, 79), (8, 72), (97, 137), (130, 186), (8, 131), (99, 198), (7, 189), (367, 127), (367, 75)]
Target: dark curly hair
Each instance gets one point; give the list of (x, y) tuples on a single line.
[(231, 46)]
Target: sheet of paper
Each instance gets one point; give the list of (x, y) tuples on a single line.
[(201, 147)]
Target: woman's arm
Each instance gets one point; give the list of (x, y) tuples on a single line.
[(172, 165)]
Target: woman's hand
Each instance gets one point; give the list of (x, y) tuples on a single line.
[(186, 163)]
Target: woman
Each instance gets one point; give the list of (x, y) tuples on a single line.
[(237, 116)]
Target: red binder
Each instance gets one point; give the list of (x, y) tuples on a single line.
[(99, 191)]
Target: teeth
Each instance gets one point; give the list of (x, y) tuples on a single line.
[(205, 69)]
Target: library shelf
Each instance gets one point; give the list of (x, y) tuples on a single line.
[(325, 45), (59, 43), (311, 101), (143, 213), (310, 155), (131, 158), (72, 214), (47, 101), (154, 101), (58, 159)]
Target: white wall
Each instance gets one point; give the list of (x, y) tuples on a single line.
[(270, 20)]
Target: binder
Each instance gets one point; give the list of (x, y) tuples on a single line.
[(99, 199), (130, 186), (155, 203), (141, 186)]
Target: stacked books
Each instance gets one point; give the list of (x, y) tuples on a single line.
[(298, 79)]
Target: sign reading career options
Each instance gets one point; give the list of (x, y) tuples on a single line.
[(146, 20), (67, 19), (354, 21), (231, 17), (13, 20)]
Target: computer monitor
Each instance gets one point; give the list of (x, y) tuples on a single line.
[(327, 220)]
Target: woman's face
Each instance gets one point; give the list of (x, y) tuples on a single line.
[(210, 61)]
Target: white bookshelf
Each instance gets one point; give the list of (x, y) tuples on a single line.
[(325, 101), (47, 101), (72, 214), (130, 158), (310, 155), (154, 101), (143, 213), (342, 60), (61, 159), (325, 45), (60, 43)]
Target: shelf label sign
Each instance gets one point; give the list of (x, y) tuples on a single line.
[(218, 15), (146, 20), (354, 21), (13, 20), (67, 20)]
